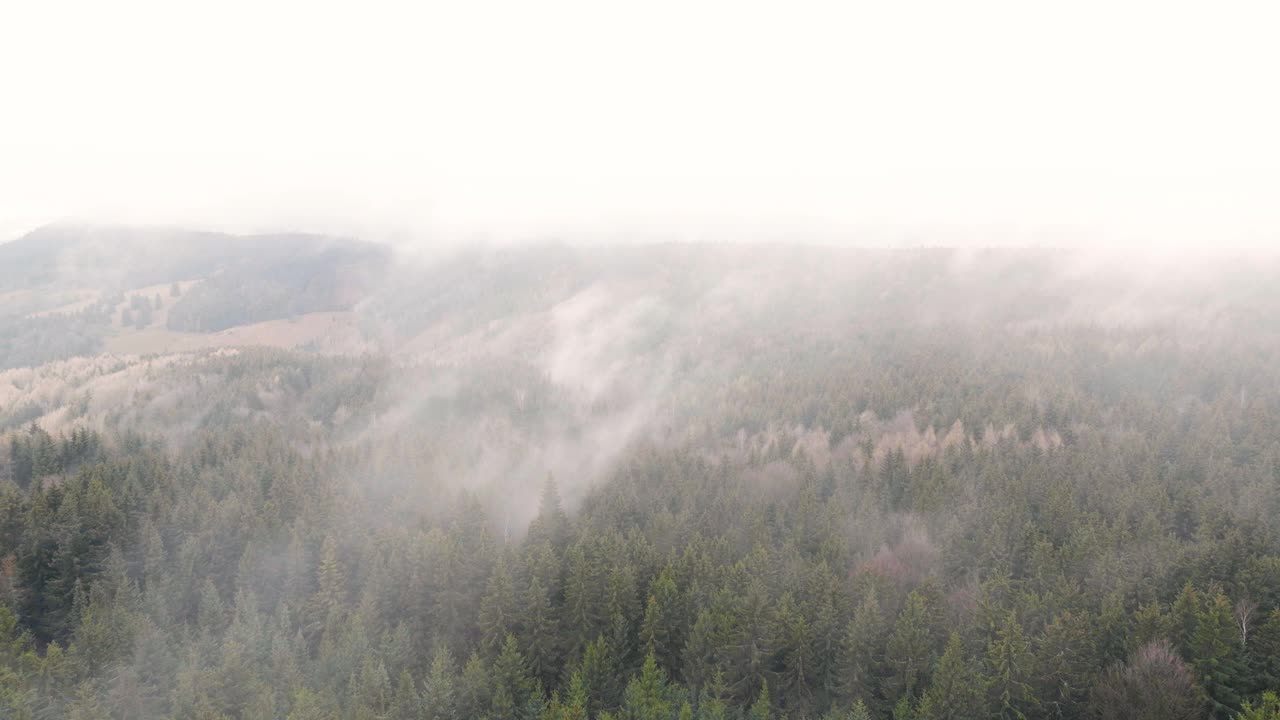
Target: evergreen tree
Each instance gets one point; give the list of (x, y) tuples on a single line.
[(909, 650), (751, 654), (711, 701), (1066, 663), (1215, 656), (86, 705), (511, 681), (212, 614), (1268, 708), (584, 605), (762, 708), (541, 635), (622, 609), (371, 694), (475, 690), (1184, 615), (862, 644), (905, 709), (439, 689), (828, 631), (1009, 672), (497, 610), (710, 641), (1149, 624), (331, 592), (647, 696), (795, 662), (552, 524), (661, 630), (308, 705), (576, 702), (406, 704), (956, 691), (598, 671)]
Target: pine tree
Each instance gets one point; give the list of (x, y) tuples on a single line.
[(372, 694), (827, 638), (795, 657), (647, 696), (709, 642), (711, 702), (439, 689), (126, 697), (1149, 624), (1183, 617), (909, 650), (577, 699), (904, 709), (86, 705), (661, 631), (497, 610), (541, 635), (622, 608), (956, 692), (211, 615), (474, 690), (751, 655), (584, 606), (308, 705), (1009, 668), (599, 670), (762, 708), (1215, 656), (296, 581), (1065, 666), (406, 704), (551, 525), (331, 592), (1268, 708), (511, 680), (862, 644), (1264, 651)]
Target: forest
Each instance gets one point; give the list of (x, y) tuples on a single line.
[(653, 483)]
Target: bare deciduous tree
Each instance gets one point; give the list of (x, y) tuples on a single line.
[(1244, 613), (1155, 684)]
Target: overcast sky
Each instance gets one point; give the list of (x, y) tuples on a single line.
[(1137, 122)]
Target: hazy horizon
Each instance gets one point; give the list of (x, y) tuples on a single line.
[(1133, 124), (671, 360)]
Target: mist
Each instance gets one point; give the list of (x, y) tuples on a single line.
[(696, 361), (917, 124)]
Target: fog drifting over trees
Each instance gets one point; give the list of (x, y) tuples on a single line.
[(677, 361), (302, 476)]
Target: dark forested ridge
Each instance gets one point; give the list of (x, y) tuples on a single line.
[(666, 482), (64, 289)]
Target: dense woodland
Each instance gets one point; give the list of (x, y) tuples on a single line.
[(238, 280), (867, 487)]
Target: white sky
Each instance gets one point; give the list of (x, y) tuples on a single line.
[(1143, 122)]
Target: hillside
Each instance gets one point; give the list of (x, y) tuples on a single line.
[(314, 479), (72, 291)]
